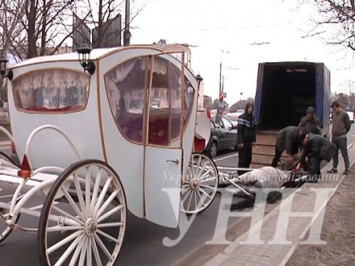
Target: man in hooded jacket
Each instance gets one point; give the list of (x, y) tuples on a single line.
[(246, 137)]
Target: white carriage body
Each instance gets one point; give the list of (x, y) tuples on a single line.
[(137, 112)]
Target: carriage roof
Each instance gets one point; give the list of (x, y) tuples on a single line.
[(97, 54)]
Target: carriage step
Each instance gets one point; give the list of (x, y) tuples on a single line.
[(11, 180)]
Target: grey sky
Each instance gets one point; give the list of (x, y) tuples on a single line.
[(241, 34)]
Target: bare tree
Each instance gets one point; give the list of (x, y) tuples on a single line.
[(32, 28), (10, 25), (39, 25), (337, 15), (103, 12)]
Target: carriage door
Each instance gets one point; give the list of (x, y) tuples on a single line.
[(163, 145)]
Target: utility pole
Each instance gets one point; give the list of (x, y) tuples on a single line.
[(126, 33), (223, 85), (220, 78)]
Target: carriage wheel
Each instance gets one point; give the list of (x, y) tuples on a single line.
[(200, 184), (83, 219)]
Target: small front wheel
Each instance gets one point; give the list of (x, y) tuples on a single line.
[(83, 219), (200, 184)]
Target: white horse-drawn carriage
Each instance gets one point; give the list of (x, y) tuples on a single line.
[(94, 144), (97, 143)]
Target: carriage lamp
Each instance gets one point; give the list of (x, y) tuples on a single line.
[(199, 79), (3, 62), (84, 57)]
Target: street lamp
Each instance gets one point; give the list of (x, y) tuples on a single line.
[(3, 62), (84, 58)]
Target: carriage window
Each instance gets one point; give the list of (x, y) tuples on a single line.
[(51, 90), (126, 88), (166, 102)]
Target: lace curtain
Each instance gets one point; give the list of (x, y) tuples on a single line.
[(50, 87), (120, 72)]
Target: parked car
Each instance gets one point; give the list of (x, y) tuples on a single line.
[(351, 116), (233, 117), (222, 137)]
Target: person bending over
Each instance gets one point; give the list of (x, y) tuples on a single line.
[(315, 149), (287, 140)]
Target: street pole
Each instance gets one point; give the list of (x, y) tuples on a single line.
[(220, 77), (223, 85), (126, 33)]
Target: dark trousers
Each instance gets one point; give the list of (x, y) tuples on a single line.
[(277, 157), (314, 174), (315, 167), (245, 156), (341, 143)]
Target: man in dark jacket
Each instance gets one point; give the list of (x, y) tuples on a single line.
[(311, 122), (315, 149), (246, 137), (287, 140)]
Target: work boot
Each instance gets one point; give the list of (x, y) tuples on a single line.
[(332, 171)]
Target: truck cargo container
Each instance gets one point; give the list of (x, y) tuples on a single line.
[(284, 91)]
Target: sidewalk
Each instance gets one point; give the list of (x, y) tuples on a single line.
[(271, 247)]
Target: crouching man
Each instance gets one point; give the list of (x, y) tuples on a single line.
[(315, 149)]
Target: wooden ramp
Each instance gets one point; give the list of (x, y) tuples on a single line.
[(264, 150)]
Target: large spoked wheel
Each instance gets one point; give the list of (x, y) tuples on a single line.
[(83, 219), (200, 184)]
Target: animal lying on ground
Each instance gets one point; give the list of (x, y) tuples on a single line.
[(269, 178), (265, 177)]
